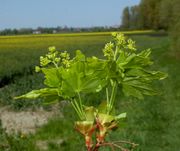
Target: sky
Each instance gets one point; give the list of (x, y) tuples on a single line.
[(53, 13)]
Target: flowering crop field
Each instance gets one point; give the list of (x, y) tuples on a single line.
[(152, 123), (19, 53)]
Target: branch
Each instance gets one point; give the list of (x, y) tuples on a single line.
[(112, 145), (126, 142), (115, 144)]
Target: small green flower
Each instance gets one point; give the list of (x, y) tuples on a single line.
[(50, 56), (120, 38), (108, 50), (66, 63), (52, 49), (37, 69), (131, 45), (65, 55), (53, 55), (57, 60), (114, 34), (44, 61)]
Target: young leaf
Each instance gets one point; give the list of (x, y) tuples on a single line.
[(131, 91), (40, 93), (120, 116), (52, 77), (84, 127), (90, 113)]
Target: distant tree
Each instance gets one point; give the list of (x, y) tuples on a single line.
[(155, 14), (166, 13), (126, 18), (50, 30), (175, 26), (25, 31), (149, 9), (6, 32), (14, 31), (134, 17)]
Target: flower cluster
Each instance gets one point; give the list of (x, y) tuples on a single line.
[(131, 45), (120, 43), (119, 38), (65, 57), (108, 50), (54, 57)]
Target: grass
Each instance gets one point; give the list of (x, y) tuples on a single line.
[(153, 123)]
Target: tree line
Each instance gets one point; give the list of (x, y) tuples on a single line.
[(51, 30), (157, 15), (151, 14)]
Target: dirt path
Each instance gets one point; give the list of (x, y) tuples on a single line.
[(24, 121)]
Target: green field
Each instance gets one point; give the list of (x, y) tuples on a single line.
[(153, 123), (20, 53)]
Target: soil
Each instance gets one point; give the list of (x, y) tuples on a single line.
[(25, 121), (43, 144)]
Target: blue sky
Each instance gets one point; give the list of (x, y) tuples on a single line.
[(52, 13)]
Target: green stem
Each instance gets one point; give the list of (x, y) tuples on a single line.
[(113, 95), (55, 64), (77, 108), (115, 54), (107, 98), (81, 105), (80, 101)]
